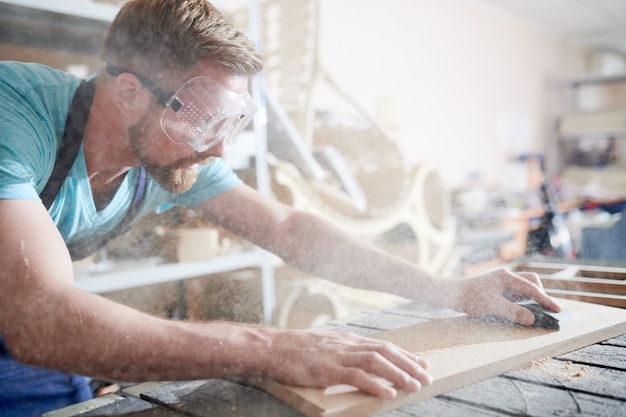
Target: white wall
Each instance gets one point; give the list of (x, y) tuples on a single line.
[(467, 84)]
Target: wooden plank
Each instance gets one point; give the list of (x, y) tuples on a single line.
[(568, 272), (216, 397), (463, 351), (590, 297), (616, 341), (602, 355), (80, 408), (131, 407), (607, 286), (548, 387), (136, 390), (564, 270), (521, 398), (441, 406), (385, 321), (416, 309), (402, 314), (594, 284), (343, 327), (602, 272), (576, 376), (499, 396), (112, 405)]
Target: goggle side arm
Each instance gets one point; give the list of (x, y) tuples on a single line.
[(163, 98)]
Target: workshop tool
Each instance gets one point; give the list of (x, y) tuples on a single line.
[(548, 319), (544, 318)]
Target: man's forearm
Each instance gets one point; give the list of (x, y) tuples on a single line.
[(99, 338), (316, 247)]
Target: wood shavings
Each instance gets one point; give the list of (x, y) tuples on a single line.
[(537, 363), (574, 370)]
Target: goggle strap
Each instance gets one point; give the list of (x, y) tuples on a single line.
[(162, 97)]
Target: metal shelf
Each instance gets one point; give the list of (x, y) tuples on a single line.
[(144, 273), (80, 9), (73, 26), (592, 80)]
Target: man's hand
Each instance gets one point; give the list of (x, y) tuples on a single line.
[(495, 293), (305, 358)]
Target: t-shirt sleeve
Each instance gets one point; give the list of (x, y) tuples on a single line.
[(33, 108), (21, 158)]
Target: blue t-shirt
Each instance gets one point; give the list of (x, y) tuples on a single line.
[(34, 104)]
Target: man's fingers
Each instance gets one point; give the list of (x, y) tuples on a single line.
[(548, 302), (385, 366), (367, 383), (522, 316), (531, 277), (520, 289), (403, 369), (380, 378), (538, 293)]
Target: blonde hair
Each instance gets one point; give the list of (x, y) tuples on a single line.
[(164, 38)]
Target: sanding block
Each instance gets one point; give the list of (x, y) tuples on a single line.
[(547, 319), (544, 318)]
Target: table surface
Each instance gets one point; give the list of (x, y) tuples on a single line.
[(588, 381)]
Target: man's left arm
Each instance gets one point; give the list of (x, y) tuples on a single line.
[(315, 246)]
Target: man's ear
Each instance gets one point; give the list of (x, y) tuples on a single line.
[(130, 96)]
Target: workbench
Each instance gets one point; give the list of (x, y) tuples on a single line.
[(586, 381)]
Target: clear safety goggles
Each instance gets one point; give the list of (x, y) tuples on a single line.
[(201, 113)]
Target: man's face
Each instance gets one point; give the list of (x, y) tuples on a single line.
[(175, 166), (177, 176)]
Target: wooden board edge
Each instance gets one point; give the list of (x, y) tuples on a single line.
[(288, 396)]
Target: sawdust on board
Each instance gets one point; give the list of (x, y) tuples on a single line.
[(536, 363), (575, 370), (568, 369)]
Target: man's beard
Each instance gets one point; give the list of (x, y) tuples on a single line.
[(176, 178), (172, 179)]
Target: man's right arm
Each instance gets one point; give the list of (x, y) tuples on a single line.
[(46, 321)]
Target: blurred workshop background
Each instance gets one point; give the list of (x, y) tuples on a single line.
[(462, 135)]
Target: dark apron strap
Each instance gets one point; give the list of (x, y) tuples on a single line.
[(66, 156), (70, 143)]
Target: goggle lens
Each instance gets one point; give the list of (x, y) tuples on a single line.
[(203, 113)]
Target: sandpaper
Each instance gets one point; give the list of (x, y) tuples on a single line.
[(544, 318)]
